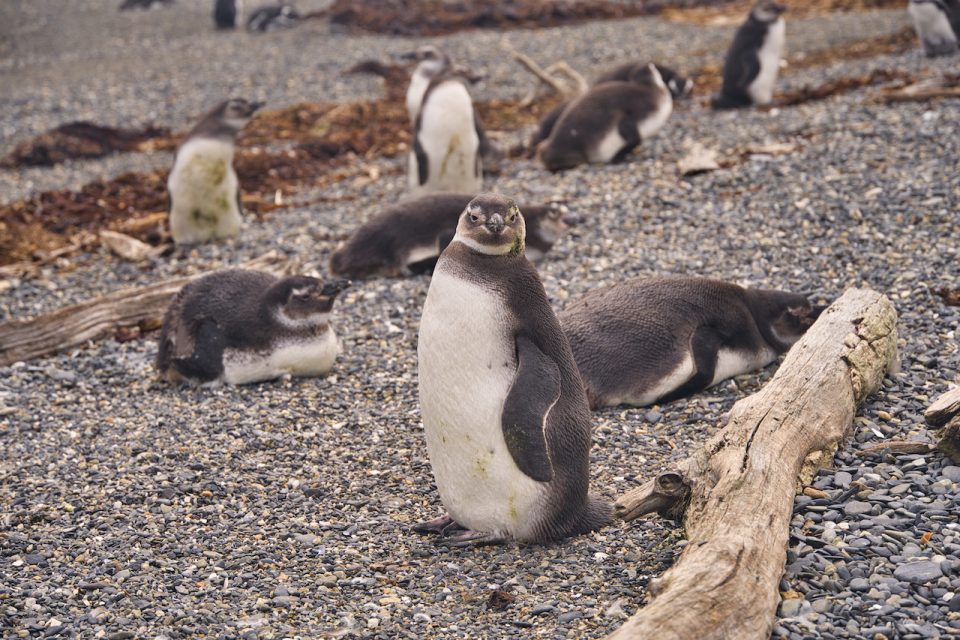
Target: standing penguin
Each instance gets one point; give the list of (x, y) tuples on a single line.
[(610, 120), (445, 150), (240, 326), (431, 62), (938, 25), (410, 235), (650, 340), (753, 61), (203, 186), (225, 13), (505, 416)]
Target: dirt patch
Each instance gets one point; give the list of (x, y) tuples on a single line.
[(79, 140), (438, 17)]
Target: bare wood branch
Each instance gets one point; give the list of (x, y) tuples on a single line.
[(922, 91), (898, 447), (943, 408), (950, 440), (74, 325), (743, 480), (535, 69), (580, 84)]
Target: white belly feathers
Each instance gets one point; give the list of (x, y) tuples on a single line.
[(467, 364), (203, 192), (448, 136), (761, 89), (312, 357)]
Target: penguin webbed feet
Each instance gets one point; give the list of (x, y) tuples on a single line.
[(453, 534), (444, 525)]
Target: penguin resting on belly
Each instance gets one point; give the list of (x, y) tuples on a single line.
[(650, 340), (506, 420)]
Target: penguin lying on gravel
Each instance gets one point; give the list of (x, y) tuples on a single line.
[(938, 24), (203, 186), (679, 86), (753, 61), (240, 326), (650, 340), (610, 120), (409, 236), (272, 18), (504, 412), (127, 5)]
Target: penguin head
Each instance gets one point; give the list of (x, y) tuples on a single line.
[(767, 11), (679, 86), (787, 315), (235, 113), (302, 301), (430, 60), (493, 225), (545, 225)]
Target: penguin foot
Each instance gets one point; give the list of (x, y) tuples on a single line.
[(469, 538), (444, 526)]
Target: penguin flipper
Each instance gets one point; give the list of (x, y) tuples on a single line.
[(423, 169), (705, 345), (205, 364), (535, 390), (749, 70), (630, 133)]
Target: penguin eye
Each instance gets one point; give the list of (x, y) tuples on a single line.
[(473, 217), (511, 218)]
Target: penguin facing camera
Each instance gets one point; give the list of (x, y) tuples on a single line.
[(506, 419), (203, 186), (610, 120), (653, 340), (409, 236), (240, 326), (753, 61), (938, 25), (273, 18)]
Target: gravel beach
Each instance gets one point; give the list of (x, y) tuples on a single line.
[(132, 509)]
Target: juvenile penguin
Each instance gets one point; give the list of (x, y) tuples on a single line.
[(409, 236), (225, 13), (445, 150), (240, 326), (505, 416), (203, 186), (753, 61), (679, 86), (650, 340), (609, 121), (431, 62), (938, 24), (272, 18)]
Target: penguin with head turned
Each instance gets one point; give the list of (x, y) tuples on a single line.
[(240, 326), (753, 61), (203, 186), (938, 24), (650, 340), (609, 121), (410, 235), (506, 419)]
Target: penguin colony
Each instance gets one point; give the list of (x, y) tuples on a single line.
[(506, 385)]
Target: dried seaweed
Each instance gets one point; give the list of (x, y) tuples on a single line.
[(79, 140)]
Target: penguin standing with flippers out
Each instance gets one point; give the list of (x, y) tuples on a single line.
[(506, 419), (753, 61)]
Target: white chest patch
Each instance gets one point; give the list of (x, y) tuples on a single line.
[(609, 146), (449, 139), (466, 365), (418, 86), (932, 26), (732, 363), (203, 192), (761, 89), (311, 357)]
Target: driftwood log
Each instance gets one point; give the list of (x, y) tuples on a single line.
[(735, 495), (945, 413), (74, 325)]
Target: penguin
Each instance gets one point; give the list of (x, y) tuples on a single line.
[(409, 236), (679, 86), (938, 25), (753, 61), (446, 141), (653, 340), (127, 5), (506, 419), (272, 18), (609, 121), (240, 326), (431, 61), (203, 186), (225, 13)]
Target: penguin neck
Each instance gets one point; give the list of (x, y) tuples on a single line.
[(490, 250)]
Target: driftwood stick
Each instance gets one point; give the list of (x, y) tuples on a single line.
[(943, 408), (743, 480), (74, 325)]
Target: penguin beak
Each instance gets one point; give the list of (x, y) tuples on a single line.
[(777, 8), (254, 106), (331, 289), (494, 224), (408, 56)]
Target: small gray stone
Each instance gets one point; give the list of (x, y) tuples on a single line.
[(857, 508), (842, 479), (859, 584), (951, 473), (918, 572)]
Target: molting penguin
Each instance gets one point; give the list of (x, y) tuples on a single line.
[(445, 150), (431, 62), (240, 326), (203, 186), (938, 24), (505, 416), (650, 340), (410, 236), (272, 18), (753, 61), (679, 86), (609, 121), (225, 13)]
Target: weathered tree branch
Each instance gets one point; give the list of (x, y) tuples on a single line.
[(945, 412), (741, 483), (74, 325)]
